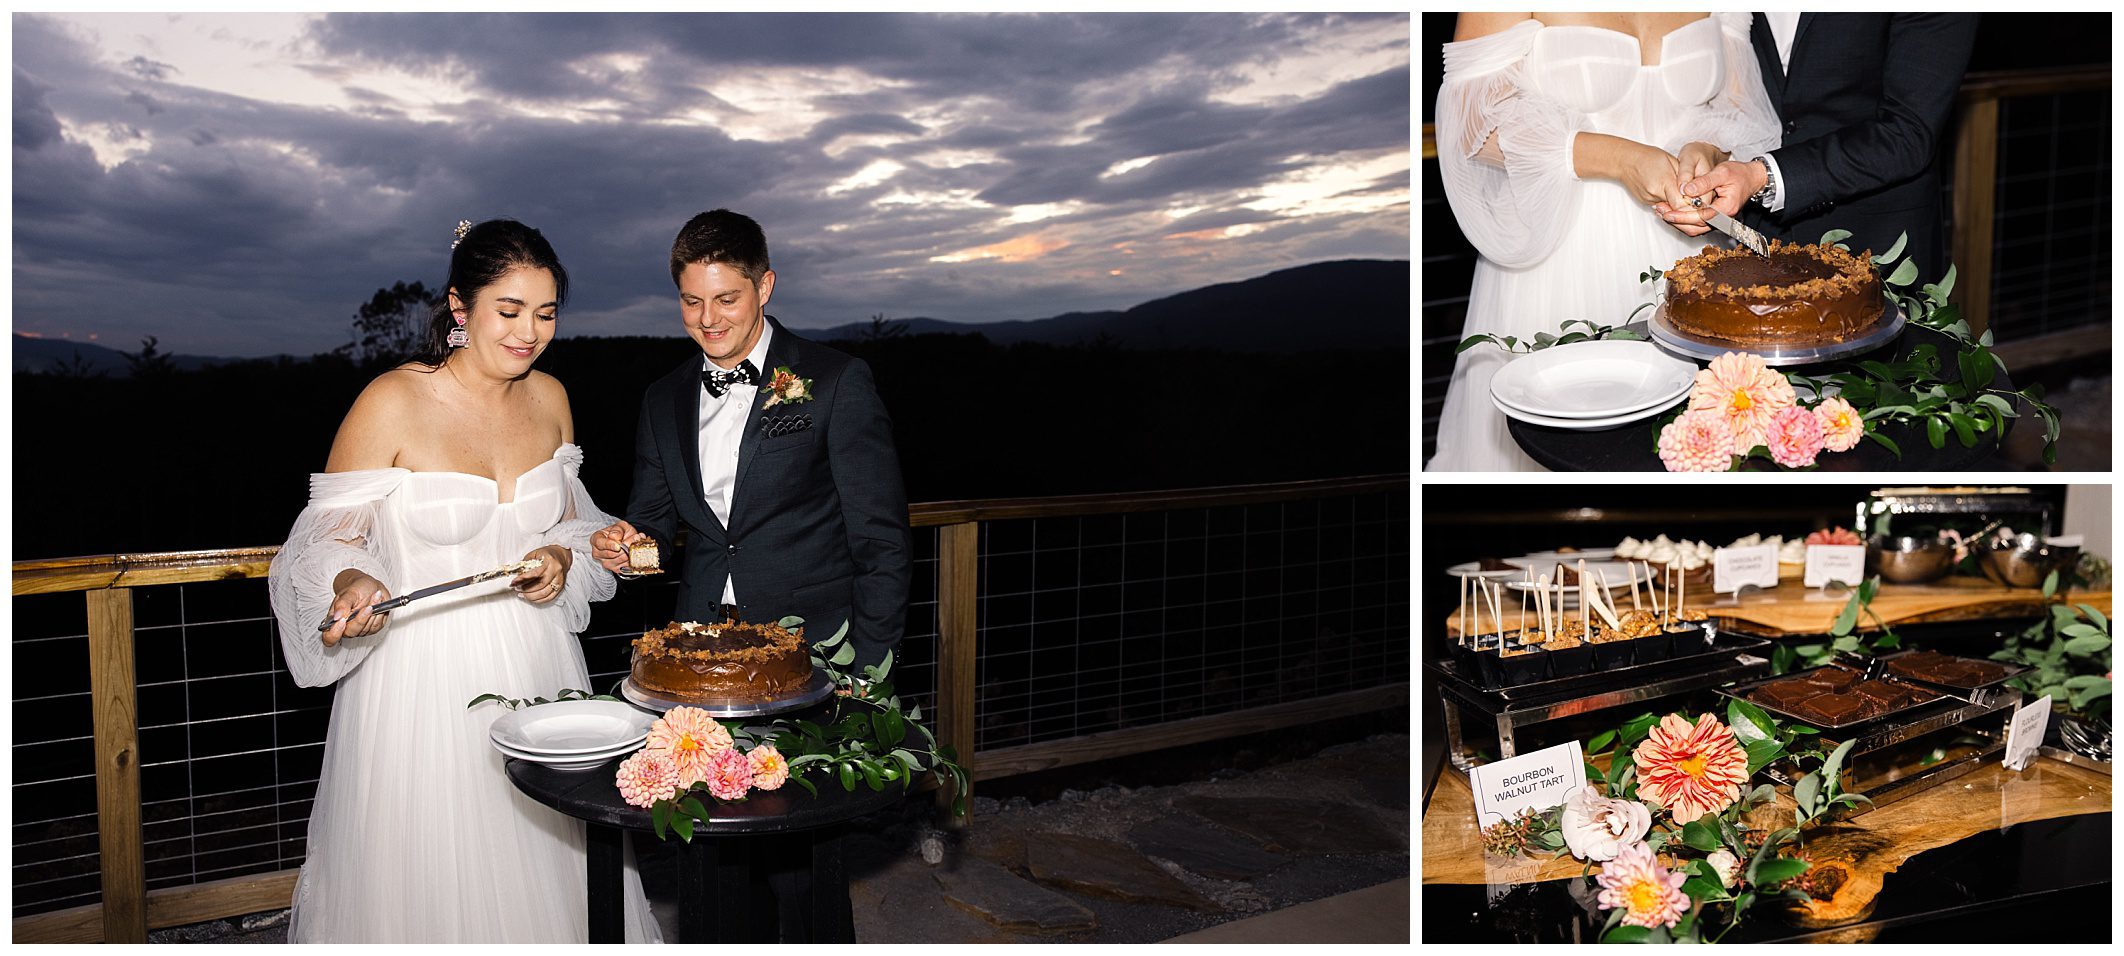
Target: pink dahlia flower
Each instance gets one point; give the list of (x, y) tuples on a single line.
[(769, 770), (647, 777), (1795, 437), (1691, 771), (729, 774), (1739, 388), (1842, 425), (1648, 894), (1697, 441), (692, 738)]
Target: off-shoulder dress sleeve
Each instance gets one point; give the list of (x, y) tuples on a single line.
[(1510, 212), (1739, 118), (338, 530), (588, 580)]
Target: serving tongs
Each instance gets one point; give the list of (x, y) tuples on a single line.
[(514, 567)]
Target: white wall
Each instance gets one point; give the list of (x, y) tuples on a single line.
[(2087, 512)]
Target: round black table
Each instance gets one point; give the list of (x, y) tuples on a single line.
[(1635, 446), (786, 835)]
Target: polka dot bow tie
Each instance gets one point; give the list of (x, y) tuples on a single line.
[(718, 381)]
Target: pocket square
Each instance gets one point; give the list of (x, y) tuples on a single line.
[(775, 426)]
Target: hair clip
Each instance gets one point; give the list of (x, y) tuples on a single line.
[(463, 226)]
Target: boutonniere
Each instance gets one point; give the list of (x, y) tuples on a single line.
[(785, 388)]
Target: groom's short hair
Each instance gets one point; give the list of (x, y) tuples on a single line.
[(721, 236)]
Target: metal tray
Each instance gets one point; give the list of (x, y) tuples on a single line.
[(1723, 645), (2012, 671), (820, 688), (1679, 343), (1740, 692)]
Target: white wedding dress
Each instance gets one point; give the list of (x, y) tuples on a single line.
[(416, 834), (1554, 247)]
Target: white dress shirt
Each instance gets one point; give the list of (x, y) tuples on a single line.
[(1783, 27), (722, 431)]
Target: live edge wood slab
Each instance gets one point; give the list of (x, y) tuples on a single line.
[(1870, 847), (1793, 609)]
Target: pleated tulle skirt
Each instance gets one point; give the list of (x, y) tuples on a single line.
[(416, 834), (1592, 275)]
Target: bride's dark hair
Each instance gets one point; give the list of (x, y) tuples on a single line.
[(486, 253)]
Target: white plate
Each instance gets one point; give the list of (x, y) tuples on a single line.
[(1585, 424), (590, 761), (572, 727), (1471, 570), (1536, 558), (1617, 572), (1592, 380)]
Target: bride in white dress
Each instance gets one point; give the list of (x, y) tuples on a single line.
[(1556, 135), (452, 464)]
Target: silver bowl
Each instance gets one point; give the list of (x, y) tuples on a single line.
[(2024, 561), (1903, 559)]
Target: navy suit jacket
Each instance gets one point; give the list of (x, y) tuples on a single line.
[(1865, 107), (818, 515)]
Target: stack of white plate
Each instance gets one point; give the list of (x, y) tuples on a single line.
[(1591, 385), (572, 734)]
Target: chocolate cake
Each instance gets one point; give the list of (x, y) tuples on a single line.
[(727, 661), (1945, 669), (1798, 295)]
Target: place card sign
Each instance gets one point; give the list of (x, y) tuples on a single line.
[(1735, 568), (1835, 562), (2025, 734), (1535, 781)]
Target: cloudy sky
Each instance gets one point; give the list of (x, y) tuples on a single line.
[(237, 184)]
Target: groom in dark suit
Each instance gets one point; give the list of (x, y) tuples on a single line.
[(773, 454), (1865, 100)]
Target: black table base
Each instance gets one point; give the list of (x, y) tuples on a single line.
[(767, 869)]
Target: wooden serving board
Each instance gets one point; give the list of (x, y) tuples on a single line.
[(1793, 609), (1988, 798)]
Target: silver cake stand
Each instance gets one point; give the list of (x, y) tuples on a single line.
[(1704, 350), (820, 688)]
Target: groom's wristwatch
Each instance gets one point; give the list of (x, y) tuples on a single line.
[(1762, 197)]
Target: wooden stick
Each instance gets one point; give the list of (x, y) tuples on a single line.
[(1606, 613), (1463, 607), (1543, 596), (1523, 608), (1496, 610), (1584, 611), (1631, 569)]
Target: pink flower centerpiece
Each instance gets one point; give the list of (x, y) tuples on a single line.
[(1649, 894), (647, 777), (1699, 440), (1691, 771), (692, 738), (729, 775), (1795, 437), (1746, 393), (1842, 425)]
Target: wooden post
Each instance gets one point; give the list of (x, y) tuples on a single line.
[(1976, 164), (112, 701), (958, 594)]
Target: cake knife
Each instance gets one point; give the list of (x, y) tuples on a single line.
[(1748, 238), (403, 600)]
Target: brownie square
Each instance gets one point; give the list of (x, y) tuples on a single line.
[(1832, 678), (1833, 709), (1888, 696), (1785, 694)]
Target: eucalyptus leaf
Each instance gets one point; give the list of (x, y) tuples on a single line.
[(1599, 741), (1894, 250), (2083, 646), (2095, 616), (1749, 722), (1805, 794), (1834, 236), (846, 655), (2050, 584)]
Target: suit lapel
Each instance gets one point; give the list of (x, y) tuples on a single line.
[(1765, 44), (782, 351), (1799, 36), (686, 411)]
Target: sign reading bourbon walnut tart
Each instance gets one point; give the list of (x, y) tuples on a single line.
[(1535, 781)]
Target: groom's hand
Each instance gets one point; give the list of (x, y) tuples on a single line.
[(1726, 187), (605, 545)]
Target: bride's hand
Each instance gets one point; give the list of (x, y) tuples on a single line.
[(1696, 159), (350, 607), (1652, 176), (542, 584)]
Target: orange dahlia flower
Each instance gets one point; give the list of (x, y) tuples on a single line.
[(1691, 771), (1746, 393)]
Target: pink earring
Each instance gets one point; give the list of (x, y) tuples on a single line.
[(459, 338)]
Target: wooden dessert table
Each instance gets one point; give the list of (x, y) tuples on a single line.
[(1793, 609), (1999, 838), (723, 871)]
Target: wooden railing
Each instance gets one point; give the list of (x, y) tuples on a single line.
[(1976, 152), (128, 909)]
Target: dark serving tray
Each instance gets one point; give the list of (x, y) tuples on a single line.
[(1723, 644), (2012, 671), (1740, 692)]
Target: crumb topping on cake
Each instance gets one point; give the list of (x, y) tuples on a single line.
[(694, 641), (1849, 273)]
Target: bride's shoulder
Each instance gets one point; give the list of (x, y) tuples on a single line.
[(373, 430), (1469, 26)]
